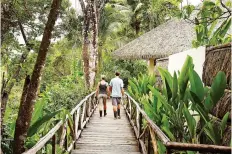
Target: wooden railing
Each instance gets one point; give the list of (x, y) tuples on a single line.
[(149, 134), (58, 136)]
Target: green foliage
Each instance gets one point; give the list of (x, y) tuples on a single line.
[(172, 106), (127, 68), (139, 87), (34, 128), (212, 22), (61, 88)]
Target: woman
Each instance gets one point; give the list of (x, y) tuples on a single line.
[(101, 93)]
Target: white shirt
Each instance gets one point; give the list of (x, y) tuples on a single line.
[(117, 85)]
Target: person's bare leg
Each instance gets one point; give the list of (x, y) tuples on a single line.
[(115, 111), (104, 103), (114, 103), (100, 106), (118, 108)]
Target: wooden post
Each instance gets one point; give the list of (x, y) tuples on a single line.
[(151, 66), (127, 98), (140, 127), (148, 143), (130, 108), (88, 107), (74, 129), (63, 133), (54, 144)]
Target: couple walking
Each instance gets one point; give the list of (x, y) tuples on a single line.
[(115, 90)]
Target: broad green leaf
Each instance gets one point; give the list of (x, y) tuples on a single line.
[(37, 125), (208, 4), (195, 100), (202, 113), (212, 132), (162, 99), (168, 132), (174, 87), (208, 104), (191, 123), (196, 84), (167, 79), (218, 86), (227, 39), (212, 27), (225, 28), (224, 123), (184, 76), (220, 32), (161, 147), (168, 90), (38, 110)]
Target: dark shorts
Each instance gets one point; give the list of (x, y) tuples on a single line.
[(116, 101)]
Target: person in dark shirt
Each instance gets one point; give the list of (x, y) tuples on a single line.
[(102, 92)]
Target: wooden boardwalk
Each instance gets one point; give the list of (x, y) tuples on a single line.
[(107, 136)]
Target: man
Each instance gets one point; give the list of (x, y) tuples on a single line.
[(116, 86)]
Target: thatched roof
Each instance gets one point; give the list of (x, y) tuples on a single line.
[(171, 37)]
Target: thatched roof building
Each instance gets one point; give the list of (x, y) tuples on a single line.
[(171, 37)]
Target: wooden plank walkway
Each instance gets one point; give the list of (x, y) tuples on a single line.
[(107, 136)]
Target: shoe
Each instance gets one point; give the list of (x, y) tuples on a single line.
[(115, 118), (119, 117), (105, 113)]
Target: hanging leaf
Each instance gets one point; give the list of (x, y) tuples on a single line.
[(218, 86), (208, 104), (196, 84), (191, 123), (224, 123), (174, 87), (184, 76), (38, 124), (213, 133)]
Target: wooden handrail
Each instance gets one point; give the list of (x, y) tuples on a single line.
[(51, 134), (154, 127), (158, 132), (198, 147)]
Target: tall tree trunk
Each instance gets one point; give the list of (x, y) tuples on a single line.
[(99, 11), (30, 90), (6, 90), (94, 55), (85, 49)]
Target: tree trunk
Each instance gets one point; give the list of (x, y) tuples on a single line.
[(30, 90), (85, 50), (99, 11), (6, 90), (94, 54)]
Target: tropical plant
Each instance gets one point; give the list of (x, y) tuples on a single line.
[(212, 20), (139, 86), (42, 121), (186, 94), (182, 104)]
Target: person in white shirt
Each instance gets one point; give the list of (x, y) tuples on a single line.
[(117, 91)]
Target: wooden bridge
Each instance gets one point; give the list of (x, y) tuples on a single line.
[(84, 132), (107, 136)]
